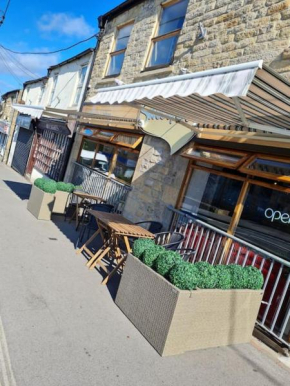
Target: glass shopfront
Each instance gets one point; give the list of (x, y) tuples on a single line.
[(213, 193)]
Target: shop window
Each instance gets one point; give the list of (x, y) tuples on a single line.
[(268, 167), (212, 197), (127, 140), (117, 56), (87, 153), (104, 135), (125, 165), (265, 220), (103, 158), (226, 158), (171, 22)]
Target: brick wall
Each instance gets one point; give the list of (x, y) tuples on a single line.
[(237, 31)]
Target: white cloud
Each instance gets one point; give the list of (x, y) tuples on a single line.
[(65, 24)]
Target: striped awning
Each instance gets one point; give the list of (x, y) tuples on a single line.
[(249, 95), (33, 111)]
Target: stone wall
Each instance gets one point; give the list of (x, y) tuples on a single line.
[(237, 31)]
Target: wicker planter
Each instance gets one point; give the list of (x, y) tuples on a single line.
[(175, 321), (40, 204), (60, 202)]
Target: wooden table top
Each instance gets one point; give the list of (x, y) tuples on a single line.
[(121, 225), (88, 196)]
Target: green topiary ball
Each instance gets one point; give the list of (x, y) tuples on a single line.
[(140, 245), (165, 261), (184, 276), (39, 182), (150, 255), (49, 186), (239, 277), (207, 275), (65, 187), (255, 279), (224, 279)]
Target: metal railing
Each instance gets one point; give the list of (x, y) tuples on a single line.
[(93, 182), (217, 247)]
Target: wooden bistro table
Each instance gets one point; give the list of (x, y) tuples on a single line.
[(81, 197), (119, 229)]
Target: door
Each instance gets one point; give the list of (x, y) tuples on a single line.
[(22, 150)]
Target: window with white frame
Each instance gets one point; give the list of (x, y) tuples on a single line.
[(117, 56), (55, 77), (81, 80), (164, 44)]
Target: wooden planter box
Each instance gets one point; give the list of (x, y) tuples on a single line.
[(40, 204), (60, 202), (175, 321)]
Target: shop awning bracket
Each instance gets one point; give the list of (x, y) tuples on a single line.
[(240, 111)]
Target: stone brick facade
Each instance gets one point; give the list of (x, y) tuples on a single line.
[(237, 31)]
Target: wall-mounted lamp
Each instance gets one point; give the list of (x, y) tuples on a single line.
[(201, 31)]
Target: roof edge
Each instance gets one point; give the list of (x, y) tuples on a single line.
[(75, 57), (123, 7)]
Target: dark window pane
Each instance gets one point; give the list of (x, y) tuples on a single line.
[(212, 197), (265, 220), (125, 166), (213, 155), (103, 158), (270, 166), (163, 51), (121, 44), (116, 64), (170, 26), (174, 11), (87, 153)]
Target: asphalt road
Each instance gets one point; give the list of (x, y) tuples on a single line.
[(60, 327)]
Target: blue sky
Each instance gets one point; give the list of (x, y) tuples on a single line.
[(36, 25)]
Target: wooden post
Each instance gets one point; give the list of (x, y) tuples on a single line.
[(236, 218)]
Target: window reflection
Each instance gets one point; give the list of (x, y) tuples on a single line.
[(126, 164), (87, 152)]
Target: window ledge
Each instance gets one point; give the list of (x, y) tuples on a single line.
[(109, 81), (149, 74)]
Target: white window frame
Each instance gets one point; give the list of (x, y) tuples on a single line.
[(80, 84), (55, 79)]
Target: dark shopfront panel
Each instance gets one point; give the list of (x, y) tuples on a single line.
[(213, 191), (22, 150)]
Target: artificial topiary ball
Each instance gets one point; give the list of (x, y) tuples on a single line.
[(39, 182), (239, 277), (255, 279), (165, 261), (184, 276), (150, 255), (224, 279), (49, 186), (65, 187), (140, 245), (207, 275)]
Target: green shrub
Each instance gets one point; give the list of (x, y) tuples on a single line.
[(165, 261), (65, 187), (207, 275), (184, 276), (239, 276), (255, 279), (48, 186), (224, 279), (140, 245), (150, 255)]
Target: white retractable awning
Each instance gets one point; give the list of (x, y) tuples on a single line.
[(33, 111), (250, 95)]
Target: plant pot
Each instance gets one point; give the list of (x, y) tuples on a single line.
[(175, 321), (40, 204), (60, 202)]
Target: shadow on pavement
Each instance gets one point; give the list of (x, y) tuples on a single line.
[(22, 190)]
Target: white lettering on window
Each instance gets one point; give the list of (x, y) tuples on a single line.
[(276, 215)]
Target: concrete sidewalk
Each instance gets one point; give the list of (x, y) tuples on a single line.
[(63, 329)]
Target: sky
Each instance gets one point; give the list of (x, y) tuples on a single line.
[(43, 26)]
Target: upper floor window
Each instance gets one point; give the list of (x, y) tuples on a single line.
[(81, 80), (170, 25), (117, 56), (41, 94), (55, 77)]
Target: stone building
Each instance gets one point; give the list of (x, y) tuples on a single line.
[(7, 121), (215, 33)]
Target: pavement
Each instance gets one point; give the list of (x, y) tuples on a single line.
[(60, 327)]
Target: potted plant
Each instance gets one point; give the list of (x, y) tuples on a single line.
[(180, 306), (42, 198), (62, 193)]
